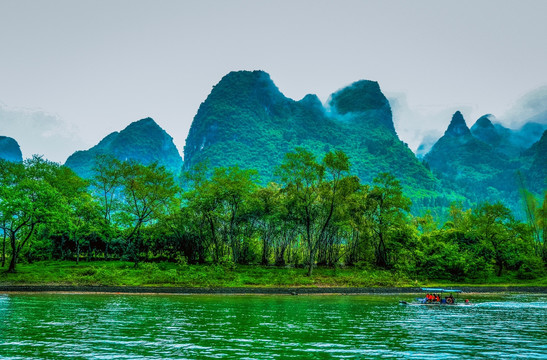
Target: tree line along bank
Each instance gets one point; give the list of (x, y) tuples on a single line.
[(317, 214)]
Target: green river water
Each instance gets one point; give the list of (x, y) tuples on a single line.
[(51, 326)]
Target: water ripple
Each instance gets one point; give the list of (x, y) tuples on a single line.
[(257, 327)]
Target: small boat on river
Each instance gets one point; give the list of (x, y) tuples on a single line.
[(436, 297)]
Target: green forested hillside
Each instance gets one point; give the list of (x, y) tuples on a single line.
[(246, 121), (143, 141)]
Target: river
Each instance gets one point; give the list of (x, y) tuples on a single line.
[(51, 326)]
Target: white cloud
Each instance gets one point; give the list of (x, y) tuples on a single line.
[(424, 127), (530, 107), (39, 132)]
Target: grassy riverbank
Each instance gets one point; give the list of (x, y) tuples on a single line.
[(118, 273)]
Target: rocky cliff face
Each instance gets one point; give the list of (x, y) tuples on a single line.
[(10, 150), (143, 141), (247, 121)]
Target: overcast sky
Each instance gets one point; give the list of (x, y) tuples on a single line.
[(73, 71)]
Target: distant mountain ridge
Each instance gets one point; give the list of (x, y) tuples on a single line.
[(144, 141), (10, 149), (488, 161)]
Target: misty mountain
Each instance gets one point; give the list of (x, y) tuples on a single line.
[(484, 162), (10, 150), (247, 121), (484, 130), (528, 134), (488, 129), (143, 141), (507, 141)]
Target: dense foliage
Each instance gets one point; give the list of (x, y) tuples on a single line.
[(319, 213)]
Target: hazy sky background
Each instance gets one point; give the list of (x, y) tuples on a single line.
[(73, 71)]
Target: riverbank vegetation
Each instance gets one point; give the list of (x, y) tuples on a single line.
[(171, 274), (318, 226)]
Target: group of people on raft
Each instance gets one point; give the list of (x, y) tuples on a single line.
[(436, 298)]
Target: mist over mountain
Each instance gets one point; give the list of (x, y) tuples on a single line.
[(420, 127), (530, 108), (10, 150), (521, 125), (529, 133), (143, 141), (247, 121)]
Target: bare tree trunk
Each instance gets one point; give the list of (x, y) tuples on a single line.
[(88, 251), (312, 258), (77, 250), (11, 268), (280, 255), (14, 254), (381, 255), (4, 250), (265, 249), (544, 227)]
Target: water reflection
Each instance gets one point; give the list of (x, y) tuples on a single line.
[(256, 327)]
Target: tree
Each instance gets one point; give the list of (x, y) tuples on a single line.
[(542, 224), (81, 210), (8, 176), (495, 226), (106, 188), (83, 220), (202, 200), (314, 192), (184, 231), (224, 205), (386, 213), (107, 182), (268, 208), (233, 187), (149, 192), (535, 215), (28, 199)]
